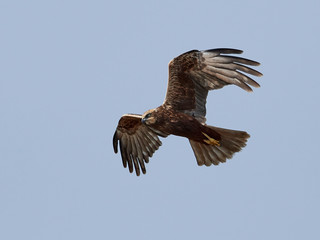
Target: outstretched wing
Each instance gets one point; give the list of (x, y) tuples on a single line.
[(194, 73), (137, 142)]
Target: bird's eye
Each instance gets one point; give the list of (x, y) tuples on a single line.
[(148, 115)]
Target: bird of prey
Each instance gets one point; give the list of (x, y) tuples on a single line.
[(191, 76)]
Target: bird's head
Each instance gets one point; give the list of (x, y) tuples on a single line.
[(149, 117)]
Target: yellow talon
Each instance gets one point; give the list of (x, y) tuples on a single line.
[(210, 140)]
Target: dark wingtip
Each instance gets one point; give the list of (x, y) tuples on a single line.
[(254, 63), (260, 75), (115, 142), (225, 50), (249, 90), (247, 135)]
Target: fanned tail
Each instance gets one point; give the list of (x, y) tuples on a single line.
[(231, 141)]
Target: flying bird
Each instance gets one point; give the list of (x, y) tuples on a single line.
[(191, 76)]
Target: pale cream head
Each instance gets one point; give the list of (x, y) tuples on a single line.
[(148, 117)]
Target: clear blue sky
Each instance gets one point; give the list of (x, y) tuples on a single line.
[(70, 69)]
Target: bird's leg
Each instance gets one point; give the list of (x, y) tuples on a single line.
[(211, 141)]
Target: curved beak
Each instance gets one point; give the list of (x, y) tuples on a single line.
[(143, 120)]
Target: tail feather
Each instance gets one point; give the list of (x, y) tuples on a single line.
[(231, 141)]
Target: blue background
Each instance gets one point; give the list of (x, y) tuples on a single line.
[(70, 69)]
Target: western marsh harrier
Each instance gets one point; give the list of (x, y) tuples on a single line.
[(191, 76)]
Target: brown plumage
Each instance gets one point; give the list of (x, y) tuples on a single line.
[(191, 76)]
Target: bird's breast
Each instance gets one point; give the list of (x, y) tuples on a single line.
[(179, 124)]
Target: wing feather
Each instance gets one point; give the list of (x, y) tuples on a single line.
[(136, 165), (193, 74), (123, 155), (143, 148), (137, 142), (138, 147), (146, 144)]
